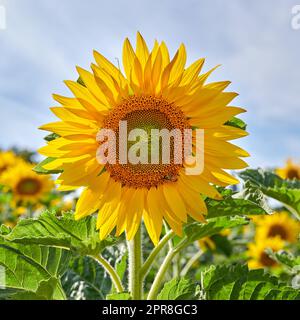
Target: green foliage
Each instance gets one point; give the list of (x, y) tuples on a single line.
[(65, 232), (119, 296), (179, 289), (239, 283), (32, 272), (51, 136), (85, 279), (196, 231), (39, 169), (285, 258), (271, 185), (237, 123), (231, 206)]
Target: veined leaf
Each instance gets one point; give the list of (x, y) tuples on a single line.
[(79, 236), (239, 283), (285, 191), (196, 231), (32, 272), (85, 279), (231, 207), (178, 289)]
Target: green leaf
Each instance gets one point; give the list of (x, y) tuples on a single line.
[(80, 81), (85, 279), (119, 296), (196, 231), (33, 271), (178, 289), (121, 266), (239, 283), (40, 170), (285, 191), (65, 232), (285, 258), (231, 206), (237, 123), (51, 136)]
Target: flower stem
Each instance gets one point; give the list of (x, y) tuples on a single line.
[(190, 263), (111, 271), (160, 275), (135, 264), (148, 263)]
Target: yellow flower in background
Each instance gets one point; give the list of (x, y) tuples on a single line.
[(279, 224), (206, 243), (25, 184), (153, 92), (258, 258), (290, 171), (7, 160)]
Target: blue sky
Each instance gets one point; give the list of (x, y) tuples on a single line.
[(254, 41)]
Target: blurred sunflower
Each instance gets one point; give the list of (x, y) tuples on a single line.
[(155, 92), (278, 224), (258, 258), (206, 243), (290, 171), (7, 160), (25, 184)]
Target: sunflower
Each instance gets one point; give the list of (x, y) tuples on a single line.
[(290, 171), (278, 224), (258, 257), (7, 160), (153, 92), (25, 184)]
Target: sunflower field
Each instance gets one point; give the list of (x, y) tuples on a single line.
[(77, 226)]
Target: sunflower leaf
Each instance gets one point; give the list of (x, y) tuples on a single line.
[(239, 283), (39, 169), (195, 231), (79, 236), (271, 185), (119, 296), (51, 136), (232, 206), (237, 123), (179, 289), (85, 279), (32, 272)]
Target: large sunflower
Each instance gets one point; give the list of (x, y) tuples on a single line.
[(278, 224), (153, 92), (290, 171), (25, 184)]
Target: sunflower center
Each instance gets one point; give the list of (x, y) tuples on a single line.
[(28, 186), (278, 230), (266, 260), (293, 174), (150, 114)]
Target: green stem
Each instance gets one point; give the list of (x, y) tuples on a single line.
[(293, 211), (148, 263), (111, 271), (160, 275), (190, 263), (135, 264)]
